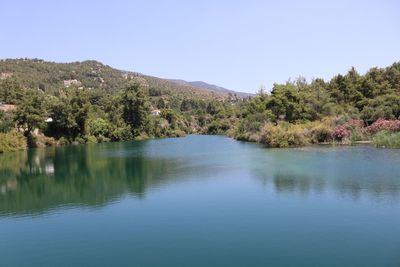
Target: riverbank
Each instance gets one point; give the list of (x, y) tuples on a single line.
[(328, 131), (13, 142), (334, 130)]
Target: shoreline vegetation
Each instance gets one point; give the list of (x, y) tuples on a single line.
[(47, 104), (330, 131)]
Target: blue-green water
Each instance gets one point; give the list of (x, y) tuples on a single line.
[(200, 201)]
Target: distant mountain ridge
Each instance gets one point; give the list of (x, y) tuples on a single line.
[(211, 87)]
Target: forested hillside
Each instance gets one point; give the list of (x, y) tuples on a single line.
[(57, 104), (51, 77), (91, 102)]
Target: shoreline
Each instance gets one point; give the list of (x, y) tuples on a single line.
[(364, 142)]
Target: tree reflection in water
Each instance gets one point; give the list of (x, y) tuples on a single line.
[(347, 171), (41, 179)]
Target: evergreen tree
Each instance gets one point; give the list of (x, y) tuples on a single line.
[(135, 108)]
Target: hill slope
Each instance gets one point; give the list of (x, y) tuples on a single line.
[(51, 76), (211, 87)]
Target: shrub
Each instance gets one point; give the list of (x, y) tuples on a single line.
[(43, 141), (12, 141), (384, 125), (320, 133), (99, 127), (283, 135), (348, 129), (249, 128), (142, 136), (340, 133), (386, 139), (80, 140), (176, 133), (92, 139), (254, 137), (273, 136), (102, 139), (122, 134), (63, 141), (356, 128), (356, 135), (354, 124), (218, 127), (6, 122)]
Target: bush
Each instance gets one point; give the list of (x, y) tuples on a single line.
[(91, 139), (12, 141), (176, 133), (43, 141), (80, 140), (6, 122), (354, 124), (218, 127), (122, 134), (349, 130), (356, 135), (320, 133), (384, 125), (249, 128), (102, 139), (283, 135), (142, 136), (63, 141), (340, 133), (386, 139), (99, 127)]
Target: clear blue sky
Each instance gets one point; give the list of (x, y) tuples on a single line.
[(235, 44)]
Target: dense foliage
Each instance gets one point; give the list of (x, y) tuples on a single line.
[(12, 141), (50, 77), (347, 109), (91, 102)]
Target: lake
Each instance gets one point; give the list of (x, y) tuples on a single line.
[(200, 201)]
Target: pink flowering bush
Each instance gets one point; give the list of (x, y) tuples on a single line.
[(352, 130), (354, 124), (384, 125), (340, 133)]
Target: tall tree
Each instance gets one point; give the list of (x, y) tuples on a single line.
[(31, 112), (10, 91), (69, 113), (135, 107), (284, 102)]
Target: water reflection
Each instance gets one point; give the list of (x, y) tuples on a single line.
[(37, 180), (348, 171)]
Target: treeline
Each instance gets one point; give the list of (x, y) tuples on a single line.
[(347, 109), (75, 115), (298, 112)]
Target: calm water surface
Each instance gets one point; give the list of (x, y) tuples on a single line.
[(200, 201)]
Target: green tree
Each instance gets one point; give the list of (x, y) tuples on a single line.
[(135, 108), (6, 121), (10, 91), (284, 102), (31, 112), (69, 112), (100, 128)]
